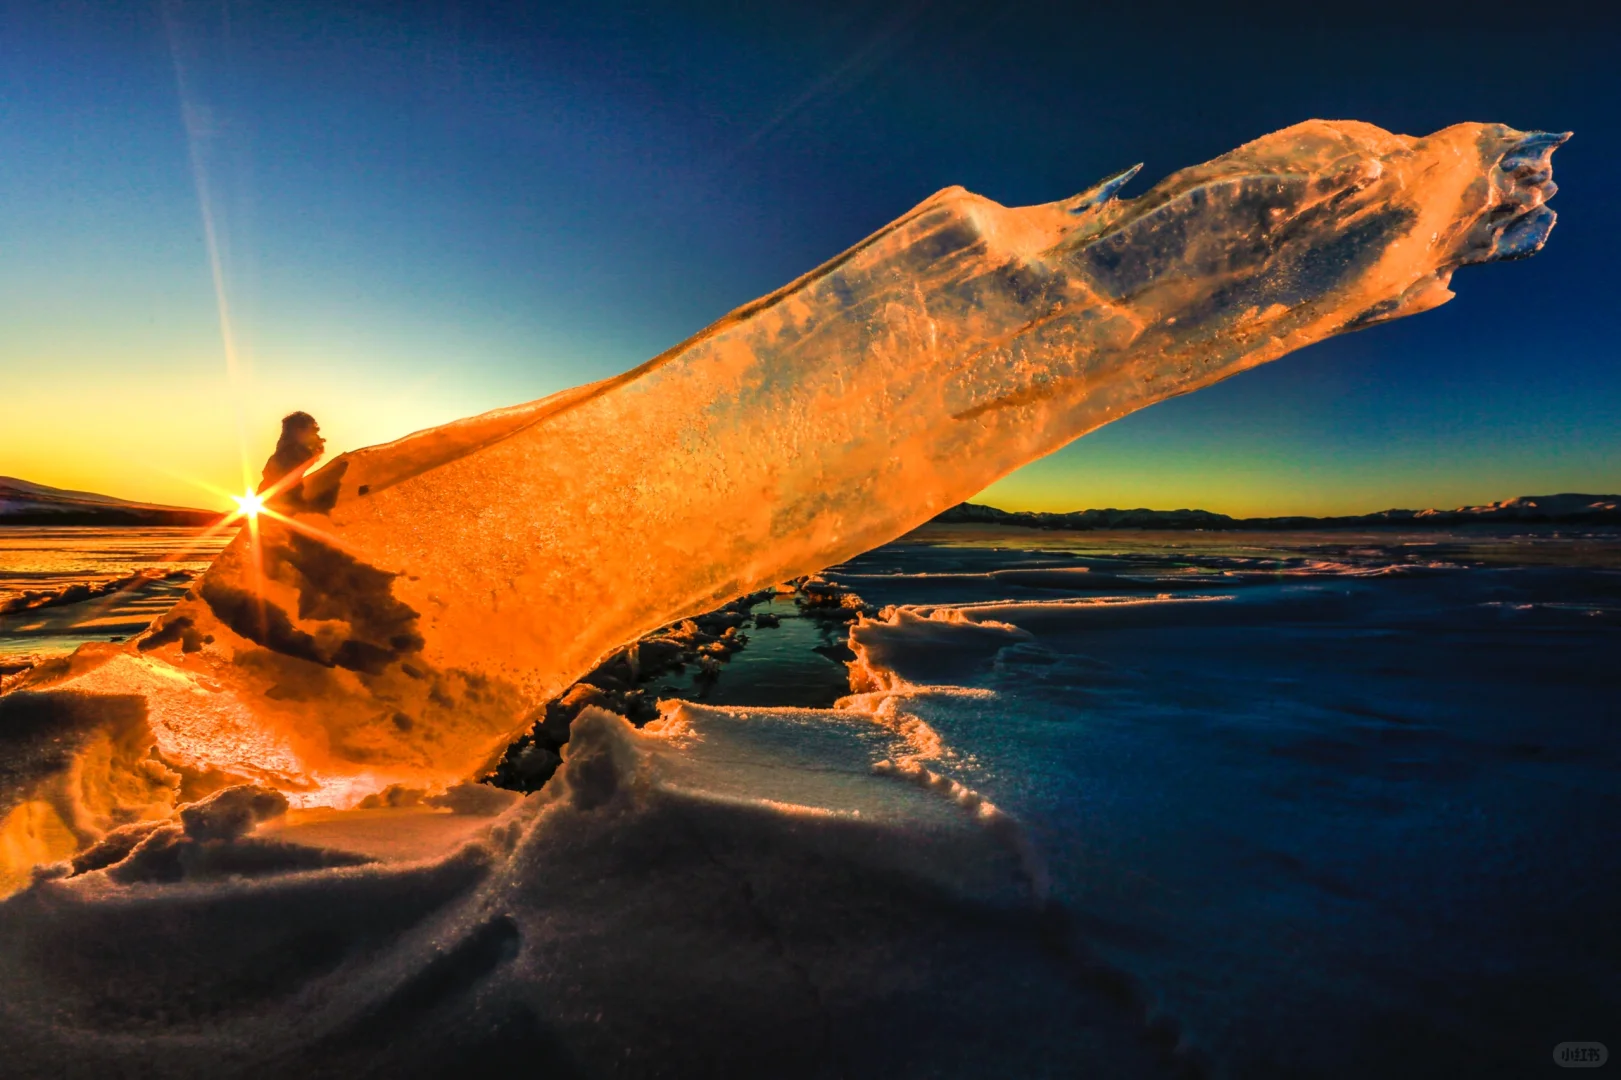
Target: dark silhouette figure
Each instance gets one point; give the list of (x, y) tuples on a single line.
[(300, 444)]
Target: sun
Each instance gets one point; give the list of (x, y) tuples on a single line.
[(248, 505)]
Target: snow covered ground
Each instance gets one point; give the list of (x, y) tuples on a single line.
[(1106, 804)]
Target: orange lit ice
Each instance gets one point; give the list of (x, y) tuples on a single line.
[(401, 613)]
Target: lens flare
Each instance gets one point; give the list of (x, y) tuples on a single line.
[(248, 505)]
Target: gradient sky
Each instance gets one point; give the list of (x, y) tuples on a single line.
[(423, 211)]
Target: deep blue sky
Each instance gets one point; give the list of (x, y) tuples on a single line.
[(425, 210)]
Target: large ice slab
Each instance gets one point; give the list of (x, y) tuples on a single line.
[(422, 597)]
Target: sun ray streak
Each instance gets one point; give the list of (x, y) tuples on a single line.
[(193, 120), (311, 531)]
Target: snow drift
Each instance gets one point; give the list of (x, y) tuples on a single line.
[(731, 892)]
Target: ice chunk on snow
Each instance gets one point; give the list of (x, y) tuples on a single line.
[(426, 595), (232, 813)]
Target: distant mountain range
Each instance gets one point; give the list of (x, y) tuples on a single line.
[(1567, 509), (24, 503)]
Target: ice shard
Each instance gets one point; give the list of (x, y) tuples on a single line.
[(425, 596)]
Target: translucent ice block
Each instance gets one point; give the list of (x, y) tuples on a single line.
[(423, 597)]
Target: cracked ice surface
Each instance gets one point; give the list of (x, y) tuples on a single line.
[(439, 588)]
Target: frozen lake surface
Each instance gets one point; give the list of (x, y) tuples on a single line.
[(1272, 804), (41, 563), (1344, 804)]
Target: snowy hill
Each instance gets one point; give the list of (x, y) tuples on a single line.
[(25, 503)]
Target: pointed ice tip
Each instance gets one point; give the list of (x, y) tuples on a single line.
[(1532, 151), (1103, 190), (1539, 139)]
